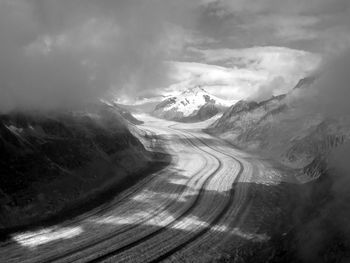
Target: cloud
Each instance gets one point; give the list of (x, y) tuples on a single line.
[(270, 58), (276, 86), (235, 74), (284, 7), (315, 25), (286, 28), (65, 53), (329, 95), (327, 233), (224, 82)]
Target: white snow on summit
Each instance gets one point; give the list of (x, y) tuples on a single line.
[(192, 100)]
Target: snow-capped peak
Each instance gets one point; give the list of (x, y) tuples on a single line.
[(191, 100)]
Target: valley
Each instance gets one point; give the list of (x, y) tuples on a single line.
[(203, 202)]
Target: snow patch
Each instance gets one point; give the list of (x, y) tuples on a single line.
[(192, 99)]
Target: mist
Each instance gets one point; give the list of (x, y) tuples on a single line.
[(277, 86), (329, 94), (56, 54), (325, 234)]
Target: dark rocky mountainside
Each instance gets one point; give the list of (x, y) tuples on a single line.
[(279, 129), (124, 112), (312, 145), (53, 160)]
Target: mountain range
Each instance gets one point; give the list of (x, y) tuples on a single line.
[(192, 105), (282, 130), (55, 160)]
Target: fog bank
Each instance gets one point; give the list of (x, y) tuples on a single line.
[(67, 53)]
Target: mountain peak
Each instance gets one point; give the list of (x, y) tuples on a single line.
[(194, 90), (188, 103), (305, 82)]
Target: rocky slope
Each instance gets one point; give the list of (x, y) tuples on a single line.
[(51, 161), (123, 111), (192, 105), (277, 128), (313, 142)]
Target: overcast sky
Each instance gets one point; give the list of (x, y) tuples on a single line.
[(68, 52)]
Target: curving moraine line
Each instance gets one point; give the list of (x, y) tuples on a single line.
[(216, 219), (117, 251), (120, 231), (88, 251), (188, 211)]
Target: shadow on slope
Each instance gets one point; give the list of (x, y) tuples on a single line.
[(262, 216), (275, 224), (57, 165)]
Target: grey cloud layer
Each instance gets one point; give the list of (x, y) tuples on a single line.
[(57, 53), (330, 94), (63, 53), (315, 25)]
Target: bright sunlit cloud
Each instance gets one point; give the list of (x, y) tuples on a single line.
[(239, 73), (57, 53)]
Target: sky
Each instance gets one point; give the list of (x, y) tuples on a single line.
[(64, 53)]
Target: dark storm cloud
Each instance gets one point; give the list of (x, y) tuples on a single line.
[(315, 25), (63, 53), (329, 95), (67, 52), (324, 232)]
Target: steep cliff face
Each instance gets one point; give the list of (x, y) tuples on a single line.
[(277, 128), (52, 160), (192, 105)]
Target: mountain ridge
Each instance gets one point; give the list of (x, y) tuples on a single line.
[(53, 160), (276, 128), (191, 105)]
